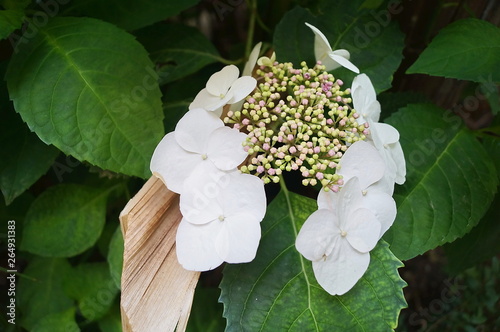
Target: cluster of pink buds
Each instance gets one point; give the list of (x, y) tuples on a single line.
[(297, 120)]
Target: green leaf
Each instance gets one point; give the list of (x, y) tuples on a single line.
[(64, 220), (128, 14), (88, 88), (91, 285), (115, 256), (450, 180), (10, 20), (42, 294), (112, 321), (58, 322), (391, 102), (178, 50), (477, 246), (206, 312), (23, 157), (375, 43), (277, 291), (107, 233), (467, 49)]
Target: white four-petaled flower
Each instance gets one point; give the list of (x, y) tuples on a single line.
[(199, 137), (223, 87), (221, 219), (364, 162), (329, 58), (338, 240)]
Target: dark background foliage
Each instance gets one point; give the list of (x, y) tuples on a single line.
[(68, 274)]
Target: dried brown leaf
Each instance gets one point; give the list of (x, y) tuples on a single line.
[(157, 292)]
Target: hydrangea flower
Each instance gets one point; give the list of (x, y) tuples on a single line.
[(295, 119), (329, 58), (199, 137), (364, 162), (221, 219), (338, 240), (383, 136), (223, 87)]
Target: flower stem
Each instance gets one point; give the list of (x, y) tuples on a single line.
[(252, 7), (283, 185)]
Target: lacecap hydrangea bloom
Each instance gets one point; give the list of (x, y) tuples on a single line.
[(243, 132)]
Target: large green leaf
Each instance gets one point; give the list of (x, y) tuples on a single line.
[(450, 180), (64, 220), (88, 88), (23, 157), (41, 294), (375, 45), (467, 49), (128, 14), (92, 287), (278, 291), (10, 20), (178, 50)]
